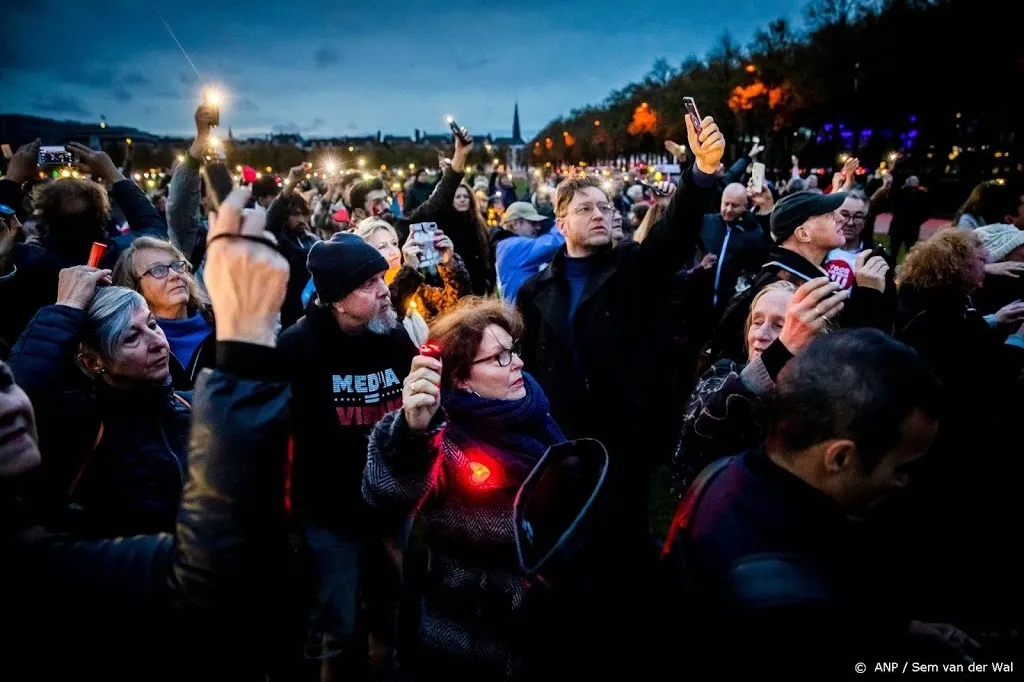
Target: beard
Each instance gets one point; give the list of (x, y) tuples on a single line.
[(383, 322)]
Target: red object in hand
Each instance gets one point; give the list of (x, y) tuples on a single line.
[(479, 473), (431, 350), (97, 252)]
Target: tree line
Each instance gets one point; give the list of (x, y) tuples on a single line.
[(921, 81)]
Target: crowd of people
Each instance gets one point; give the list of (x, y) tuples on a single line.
[(283, 432)]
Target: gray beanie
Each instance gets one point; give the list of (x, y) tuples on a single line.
[(1000, 240)]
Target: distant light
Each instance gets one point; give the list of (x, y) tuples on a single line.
[(103, 124), (181, 158), (269, 169), (137, 177), (361, 162), (351, 149), (412, 166), (127, 140), (259, 175)]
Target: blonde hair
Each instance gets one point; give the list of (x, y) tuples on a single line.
[(125, 273), (567, 189), (368, 226), (781, 285)]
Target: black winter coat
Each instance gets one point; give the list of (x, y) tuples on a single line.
[(605, 371), (127, 449), (199, 604)]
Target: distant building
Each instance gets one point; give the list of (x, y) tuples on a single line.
[(514, 144)]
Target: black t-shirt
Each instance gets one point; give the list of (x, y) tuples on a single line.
[(342, 385)]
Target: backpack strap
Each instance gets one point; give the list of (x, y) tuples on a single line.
[(687, 505)]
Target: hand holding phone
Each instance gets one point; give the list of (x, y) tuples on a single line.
[(457, 130), (219, 182), (212, 98), (54, 155), (757, 177), (691, 110)]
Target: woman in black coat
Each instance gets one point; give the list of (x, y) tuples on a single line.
[(202, 603)]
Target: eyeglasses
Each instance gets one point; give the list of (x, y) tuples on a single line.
[(161, 271), (857, 217), (504, 358), (587, 209)]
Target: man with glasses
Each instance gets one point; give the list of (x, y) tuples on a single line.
[(598, 334), (841, 261), (807, 227)]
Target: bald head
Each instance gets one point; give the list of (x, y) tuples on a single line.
[(734, 202)]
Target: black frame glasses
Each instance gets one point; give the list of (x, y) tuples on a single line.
[(161, 271), (504, 358)]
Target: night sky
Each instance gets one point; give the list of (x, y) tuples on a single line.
[(333, 67)]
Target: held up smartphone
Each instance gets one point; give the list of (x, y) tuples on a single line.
[(456, 130), (691, 110), (757, 177), (653, 190), (218, 182), (423, 234), (55, 155)]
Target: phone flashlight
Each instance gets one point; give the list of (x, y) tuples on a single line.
[(213, 99), (456, 131)]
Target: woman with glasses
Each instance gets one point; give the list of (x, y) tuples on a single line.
[(159, 271), (472, 426)]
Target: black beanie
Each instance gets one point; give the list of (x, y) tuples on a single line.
[(341, 265)]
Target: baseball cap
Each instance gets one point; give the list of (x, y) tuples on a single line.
[(796, 209), (521, 210)]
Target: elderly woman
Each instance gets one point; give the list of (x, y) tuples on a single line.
[(973, 465), (472, 426), (160, 272), (180, 606), (727, 413), (409, 287), (114, 443)]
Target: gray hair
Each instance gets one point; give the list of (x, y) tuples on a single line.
[(109, 319)]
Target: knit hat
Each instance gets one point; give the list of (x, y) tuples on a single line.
[(796, 209), (1000, 240), (341, 265)]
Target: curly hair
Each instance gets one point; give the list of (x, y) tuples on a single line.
[(944, 260), (71, 211)]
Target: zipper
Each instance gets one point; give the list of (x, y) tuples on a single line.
[(174, 455)]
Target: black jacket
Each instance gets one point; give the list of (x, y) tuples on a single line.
[(605, 371), (201, 603), (742, 248), (130, 447), (865, 307), (776, 571), (342, 386)]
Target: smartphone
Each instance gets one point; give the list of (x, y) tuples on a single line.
[(757, 177), (55, 155), (456, 131), (652, 189), (212, 100), (691, 110), (423, 234), (218, 182)]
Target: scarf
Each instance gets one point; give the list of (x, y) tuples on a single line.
[(515, 432)]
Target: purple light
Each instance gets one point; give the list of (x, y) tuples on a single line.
[(819, 138), (828, 127), (912, 134), (846, 134), (866, 132), (913, 119)]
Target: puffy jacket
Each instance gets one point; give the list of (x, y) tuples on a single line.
[(201, 603), (127, 449)]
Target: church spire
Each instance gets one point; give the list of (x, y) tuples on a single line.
[(517, 138)]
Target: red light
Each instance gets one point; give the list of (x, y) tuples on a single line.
[(479, 473), (431, 350)]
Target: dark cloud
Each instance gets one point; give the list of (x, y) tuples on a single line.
[(464, 65), (59, 104), (289, 128), (325, 56)]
